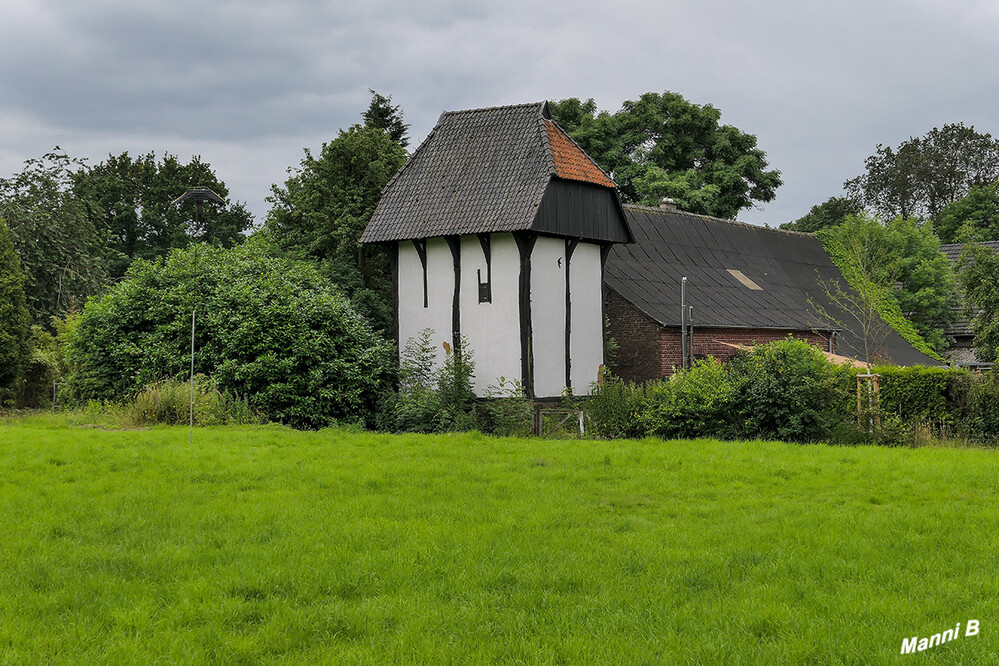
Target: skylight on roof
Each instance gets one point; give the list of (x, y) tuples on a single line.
[(741, 277)]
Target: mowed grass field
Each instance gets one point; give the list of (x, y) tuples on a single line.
[(266, 545)]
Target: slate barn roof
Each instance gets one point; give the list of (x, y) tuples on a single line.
[(738, 276), (483, 171)]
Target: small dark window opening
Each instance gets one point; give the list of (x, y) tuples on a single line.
[(485, 288)]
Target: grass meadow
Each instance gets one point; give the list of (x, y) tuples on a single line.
[(264, 545)]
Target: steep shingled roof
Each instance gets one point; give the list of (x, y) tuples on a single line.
[(738, 276), (480, 171), (963, 326)]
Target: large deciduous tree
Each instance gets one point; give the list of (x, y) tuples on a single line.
[(272, 330), (924, 174), (14, 319), (325, 204), (665, 146), (62, 251), (132, 198)]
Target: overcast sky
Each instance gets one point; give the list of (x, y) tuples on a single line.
[(249, 84)]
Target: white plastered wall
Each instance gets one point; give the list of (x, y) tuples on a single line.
[(548, 316), (413, 317), (586, 341), (492, 329)]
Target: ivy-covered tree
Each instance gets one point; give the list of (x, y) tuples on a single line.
[(322, 209), (904, 261), (665, 146), (382, 115), (132, 199), (975, 215), (62, 251), (14, 319), (924, 174), (830, 213), (272, 330)]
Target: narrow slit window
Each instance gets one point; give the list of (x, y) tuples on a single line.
[(486, 287)]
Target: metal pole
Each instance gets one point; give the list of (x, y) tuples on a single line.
[(690, 332), (192, 374), (683, 322)]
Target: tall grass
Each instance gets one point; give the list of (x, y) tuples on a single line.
[(262, 545)]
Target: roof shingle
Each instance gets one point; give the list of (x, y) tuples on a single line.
[(479, 171)]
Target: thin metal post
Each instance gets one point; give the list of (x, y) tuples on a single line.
[(683, 322), (690, 332), (192, 374)]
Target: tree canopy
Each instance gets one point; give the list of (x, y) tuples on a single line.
[(382, 115), (665, 146), (975, 215), (830, 213), (132, 199), (903, 260), (325, 204), (62, 251), (272, 330), (924, 174)]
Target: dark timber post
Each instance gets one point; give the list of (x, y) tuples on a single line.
[(454, 242), (525, 244)]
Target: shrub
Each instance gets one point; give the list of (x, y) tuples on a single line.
[(693, 403), (914, 393), (614, 408), (431, 398), (983, 420), (272, 330), (787, 390), (169, 402), (506, 412)]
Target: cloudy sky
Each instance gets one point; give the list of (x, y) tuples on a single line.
[(248, 85)]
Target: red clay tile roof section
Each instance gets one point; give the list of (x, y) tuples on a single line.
[(571, 162)]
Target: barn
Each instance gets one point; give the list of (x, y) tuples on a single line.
[(745, 285), (500, 226)]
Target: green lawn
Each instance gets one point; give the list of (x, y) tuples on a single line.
[(268, 545)]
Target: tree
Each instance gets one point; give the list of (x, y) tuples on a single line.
[(14, 318), (976, 214), (830, 213), (897, 268), (326, 203), (664, 146), (132, 199), (382, 115), (978, 270), (61, 250), (271, 330), (924, 174)]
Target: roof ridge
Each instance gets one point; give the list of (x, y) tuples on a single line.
[(737, 223), (484, 109)]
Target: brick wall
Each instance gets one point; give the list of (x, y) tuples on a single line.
[(647, 350), (637, 337)]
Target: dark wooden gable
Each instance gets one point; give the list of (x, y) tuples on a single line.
[(581, 210)]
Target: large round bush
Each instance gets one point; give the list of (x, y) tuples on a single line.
[(272, 330), (787, 390)]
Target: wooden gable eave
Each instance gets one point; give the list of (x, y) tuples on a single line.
[(585, 211)]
